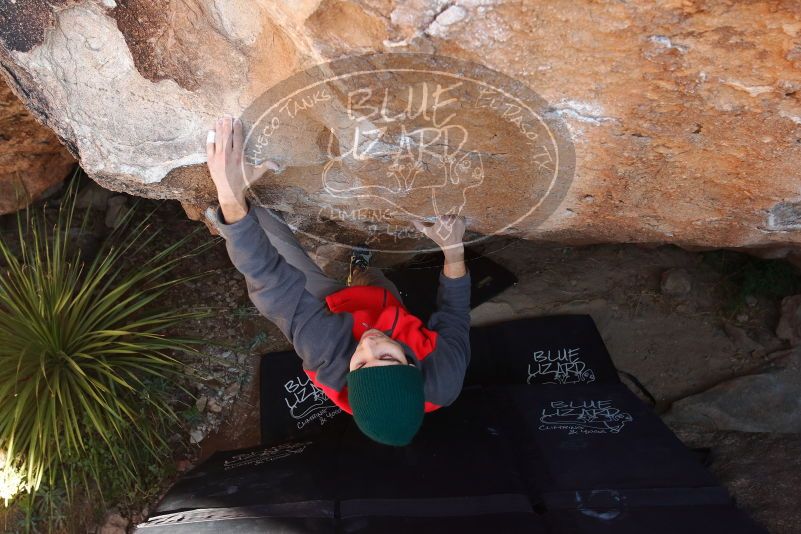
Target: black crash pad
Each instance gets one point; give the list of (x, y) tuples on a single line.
[(558, 349), (454, 474), (565, 349), (657, 519), (506, 522), (457, 452), (292, 472), (590, 437), (291, 406), (512, 454)]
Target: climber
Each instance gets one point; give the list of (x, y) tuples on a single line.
[(358, 342)]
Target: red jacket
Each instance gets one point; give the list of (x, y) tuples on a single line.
[(326, 341), (375, 307)]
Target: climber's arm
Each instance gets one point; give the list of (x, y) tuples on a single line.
[(278, 290), (445, 368)]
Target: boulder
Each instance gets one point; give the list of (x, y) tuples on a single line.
[(32, 160), (683, 118), (766, 401)]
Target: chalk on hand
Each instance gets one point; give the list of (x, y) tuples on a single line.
[(268, 164), (210, 137)]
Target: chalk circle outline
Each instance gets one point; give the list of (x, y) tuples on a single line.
[(562, 144)]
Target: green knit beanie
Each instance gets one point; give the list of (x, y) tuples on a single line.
[(387, 402)]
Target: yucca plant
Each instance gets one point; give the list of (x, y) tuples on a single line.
[(82, 343)]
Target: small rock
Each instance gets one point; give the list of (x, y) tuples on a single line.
[(789, 327), (182, 466), (232, 390), (214, 406), (765, 337), (582, 306), (743, 317), (196, 435), (86, 241), (92, 196), (200, 403), (113, 524), (115, 209), (751, 301), (51, 191), (741, 338), (440, 26), (675, 282), (325, 255), (766, 401), (136, 518), (490, 312)]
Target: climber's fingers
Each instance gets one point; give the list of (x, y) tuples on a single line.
[(218, 140), (210, 143), (226, 130), (238, 137), (445, 226)]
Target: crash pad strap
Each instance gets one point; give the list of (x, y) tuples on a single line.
[(440, 507), (320, 509), (505, 503), (624, 498)]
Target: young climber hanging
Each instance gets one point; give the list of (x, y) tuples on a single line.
[(358, 342)]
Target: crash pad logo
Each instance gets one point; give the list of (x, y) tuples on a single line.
[(265, 455), (307, 402), (563, 366), (377, 141), (584, 417)]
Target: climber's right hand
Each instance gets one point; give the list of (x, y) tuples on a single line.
[(224, 151), (225, 161)]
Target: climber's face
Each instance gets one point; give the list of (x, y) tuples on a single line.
[(376, 348)]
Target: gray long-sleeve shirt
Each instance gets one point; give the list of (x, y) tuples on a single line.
[(324, 340)]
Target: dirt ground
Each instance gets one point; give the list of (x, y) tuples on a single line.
[(676, 345)]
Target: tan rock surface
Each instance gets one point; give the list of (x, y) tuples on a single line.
[(685, 116), (31, 157)]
